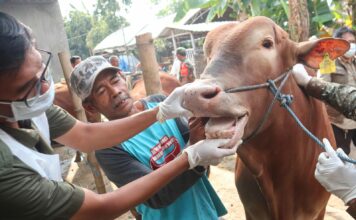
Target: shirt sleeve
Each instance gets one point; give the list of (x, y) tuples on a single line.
[(24, 194), (339, 96), (121, 168), (59, 121)]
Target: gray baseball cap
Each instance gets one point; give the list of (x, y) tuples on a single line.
[(85, 73)]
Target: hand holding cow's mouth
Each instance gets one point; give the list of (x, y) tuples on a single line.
[(226, 128)]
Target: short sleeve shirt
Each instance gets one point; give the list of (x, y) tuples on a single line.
[(24, 194)]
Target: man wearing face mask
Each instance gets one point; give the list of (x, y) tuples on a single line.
[(344, 129), (338, 177), (31, 186)]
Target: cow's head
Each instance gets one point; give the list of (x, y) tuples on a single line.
[(244, 54)]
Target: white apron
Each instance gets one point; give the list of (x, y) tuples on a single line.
[(48, 166)]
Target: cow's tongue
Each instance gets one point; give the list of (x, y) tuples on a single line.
[(227, 128)]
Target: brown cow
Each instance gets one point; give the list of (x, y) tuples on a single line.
[(275, 176), (168, 82)]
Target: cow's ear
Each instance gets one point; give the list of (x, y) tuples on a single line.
[(311, 53)]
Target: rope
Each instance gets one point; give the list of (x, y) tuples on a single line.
[(285, 101)]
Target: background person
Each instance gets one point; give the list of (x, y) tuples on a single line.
[(75, 60), (336, 176), (344, 130), (186, 69)]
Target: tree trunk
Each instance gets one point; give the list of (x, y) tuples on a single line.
[(93, 164), (149, 63), (298, 20), (352, 4)]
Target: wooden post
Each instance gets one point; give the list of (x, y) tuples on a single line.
[(146, 52), (93, 164)]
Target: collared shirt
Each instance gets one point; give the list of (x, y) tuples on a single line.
[(25, 194), (345, 74)]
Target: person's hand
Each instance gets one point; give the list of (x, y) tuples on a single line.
[(301, 75), (208, 152), (337, 177), (172, 106)]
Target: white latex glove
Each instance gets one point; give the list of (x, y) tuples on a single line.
[(301, 75), (172, 106), (208, 152), (337, 177)]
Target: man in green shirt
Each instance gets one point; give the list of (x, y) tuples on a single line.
[(336, 176), (31, 186)]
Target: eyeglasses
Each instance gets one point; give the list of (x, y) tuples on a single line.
[(45, 75)]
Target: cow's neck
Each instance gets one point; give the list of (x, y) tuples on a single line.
[(268, 148)]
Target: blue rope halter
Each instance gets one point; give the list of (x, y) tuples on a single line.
[(285, 100)]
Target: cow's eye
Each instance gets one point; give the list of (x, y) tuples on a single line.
[(267, 44)]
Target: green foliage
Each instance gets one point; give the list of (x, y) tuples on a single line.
[(108, 11), (77, 26), (322, 14), (85, 31), (98, 32)]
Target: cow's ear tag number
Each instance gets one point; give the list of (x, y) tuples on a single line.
[(327, 65)]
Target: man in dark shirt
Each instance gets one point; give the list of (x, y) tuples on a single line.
[(336, 176), (186, 70), (185, 196)]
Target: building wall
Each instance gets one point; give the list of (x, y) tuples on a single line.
[(45, 19)]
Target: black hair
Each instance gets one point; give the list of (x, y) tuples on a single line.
[(15, 40), (341, 31), (74, 58)]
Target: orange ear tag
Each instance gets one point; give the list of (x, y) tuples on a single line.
[(327, 65)]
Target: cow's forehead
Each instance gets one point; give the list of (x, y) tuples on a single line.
[(247, 33)]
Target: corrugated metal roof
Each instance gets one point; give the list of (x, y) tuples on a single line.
[(202, 27), (126, 36)]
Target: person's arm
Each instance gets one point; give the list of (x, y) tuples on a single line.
[(121, 168), (339, 96), (338, 177), (87, 137), (111, 205)]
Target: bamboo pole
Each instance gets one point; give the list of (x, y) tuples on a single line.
[(93, 164), (149, 63)]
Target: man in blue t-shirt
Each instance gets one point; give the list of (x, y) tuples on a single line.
[(188, 196)]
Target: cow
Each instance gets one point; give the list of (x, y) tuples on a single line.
[(168, 82), (275, 167)]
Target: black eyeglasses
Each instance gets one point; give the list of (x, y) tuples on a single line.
[(44, 77)]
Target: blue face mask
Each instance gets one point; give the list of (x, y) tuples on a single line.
[(351, 52), (39, 105)]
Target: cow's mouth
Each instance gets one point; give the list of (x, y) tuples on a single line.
[(226, 128)]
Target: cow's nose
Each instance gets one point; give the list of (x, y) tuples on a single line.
[(114, 91), (200, 98)]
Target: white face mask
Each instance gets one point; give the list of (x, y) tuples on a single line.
[(38, 105), (351, 52)]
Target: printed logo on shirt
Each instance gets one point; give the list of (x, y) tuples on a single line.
[(158, 151)]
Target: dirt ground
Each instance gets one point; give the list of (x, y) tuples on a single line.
[(221, 177)]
